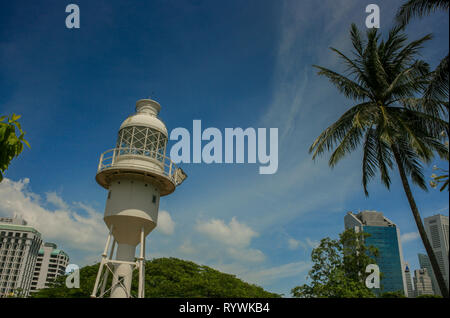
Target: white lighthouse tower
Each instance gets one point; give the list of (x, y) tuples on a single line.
[(136, 174)]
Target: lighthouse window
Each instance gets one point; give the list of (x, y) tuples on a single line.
[(154, 199), (124, 140), (109, 195), (140, 140)]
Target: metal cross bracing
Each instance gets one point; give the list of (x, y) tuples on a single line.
[(108, 262)]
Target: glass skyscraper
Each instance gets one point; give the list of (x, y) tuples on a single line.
[(436, 227), (385, 236), (424, 262)]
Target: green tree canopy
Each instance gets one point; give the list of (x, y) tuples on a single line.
[(339, 268), (167, 277), (11, 144), (429, 296), (396, 294)]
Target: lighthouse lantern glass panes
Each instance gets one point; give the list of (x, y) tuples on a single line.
[(139, 136), (139, 140), (124, 140), (152, 139)]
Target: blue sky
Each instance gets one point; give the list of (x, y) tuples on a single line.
[(228, 63)]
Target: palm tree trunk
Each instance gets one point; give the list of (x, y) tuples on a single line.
[(420, 227)]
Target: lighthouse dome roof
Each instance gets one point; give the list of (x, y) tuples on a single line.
[(146, 115)]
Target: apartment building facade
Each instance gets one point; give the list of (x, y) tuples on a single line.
[(19, 248), (50, 264)]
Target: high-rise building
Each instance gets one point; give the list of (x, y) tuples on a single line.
[(19, 247), (409, 283), (50, 264), (422, 282), (436, 227), (424, 262), (385, 236)]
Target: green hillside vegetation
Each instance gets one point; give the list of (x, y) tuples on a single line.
[(167, 277)]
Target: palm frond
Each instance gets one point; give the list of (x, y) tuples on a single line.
[(438, 90), (373, 66), (370, 160), (384, 157), (411, 163), (393, 44), (349, 143), (357, 41), (433, 125), (419, 8), (408, 54), (413, 136), (338, 130), (354, 67), (409, 81), (345, 85)]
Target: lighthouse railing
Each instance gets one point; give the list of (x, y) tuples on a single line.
[(111, 156)]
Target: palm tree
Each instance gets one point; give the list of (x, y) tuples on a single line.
[(384, 77)]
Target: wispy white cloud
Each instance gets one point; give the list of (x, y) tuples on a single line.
[(233, 239), (187, 248), (83, 231), (308, 243), (268, 275), (293, 244), (56, 200), (250, 255), (408, 237), (233, 234)]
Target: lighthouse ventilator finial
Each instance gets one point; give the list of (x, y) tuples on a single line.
[(136, 174)]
